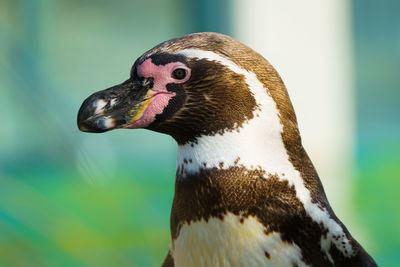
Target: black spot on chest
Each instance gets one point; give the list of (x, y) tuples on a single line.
[(267, 254)]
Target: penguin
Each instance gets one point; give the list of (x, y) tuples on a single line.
[(246, 192)]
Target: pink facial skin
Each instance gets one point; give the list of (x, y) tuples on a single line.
[(162, 76)]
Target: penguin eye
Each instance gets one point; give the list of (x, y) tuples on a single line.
[(179, 74)]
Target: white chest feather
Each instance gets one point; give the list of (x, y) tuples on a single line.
[(229, 242)]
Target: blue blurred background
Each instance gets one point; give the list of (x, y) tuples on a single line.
[(73, 199)]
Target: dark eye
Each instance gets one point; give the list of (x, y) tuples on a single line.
[(179, 74)]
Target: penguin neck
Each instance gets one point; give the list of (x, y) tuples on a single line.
[(259, 148), (253, 149), (250, 170)]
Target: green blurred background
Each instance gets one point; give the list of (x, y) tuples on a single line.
[(73, 199)]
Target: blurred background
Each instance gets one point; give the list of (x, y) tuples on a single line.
[(74, 199)]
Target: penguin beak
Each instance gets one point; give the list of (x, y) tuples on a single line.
[(115, 107)]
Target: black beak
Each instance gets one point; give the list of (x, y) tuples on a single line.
[(113, 107)]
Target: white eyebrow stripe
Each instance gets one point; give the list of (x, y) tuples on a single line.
[(211, 56)]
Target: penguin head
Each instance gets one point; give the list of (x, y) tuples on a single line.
[(195, 85)]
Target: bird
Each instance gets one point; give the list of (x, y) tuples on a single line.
[(246, 192)]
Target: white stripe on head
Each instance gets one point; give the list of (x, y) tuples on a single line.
[(257, 144)]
